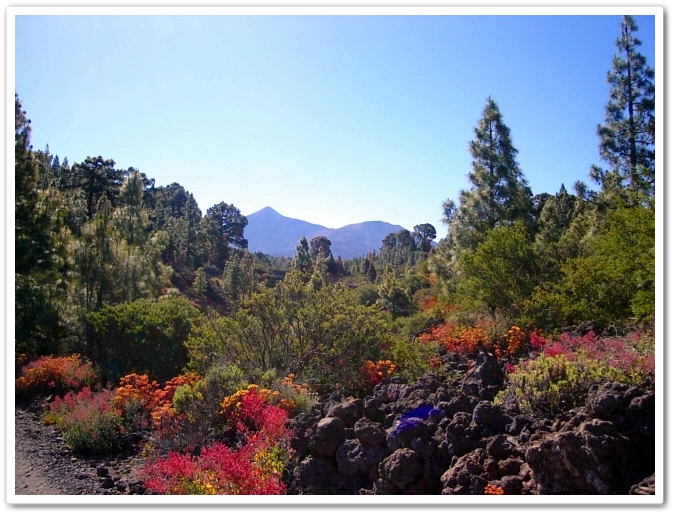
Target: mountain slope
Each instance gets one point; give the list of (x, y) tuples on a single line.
[(271, 233)]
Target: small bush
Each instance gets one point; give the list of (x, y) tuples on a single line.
[(148, 409), (552, 384), (511, 344), (54, 375), (144, 336), (88, 421), (197, 406), (461, 340), (296, 398), (255, 411), (413, 358), (252, 466), (372, 373)]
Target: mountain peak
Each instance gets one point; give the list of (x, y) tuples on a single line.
[(266, 211), (272, 233)]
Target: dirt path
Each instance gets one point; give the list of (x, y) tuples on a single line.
[(44, 465)]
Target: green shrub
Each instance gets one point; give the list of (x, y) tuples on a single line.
[(553, 384), (199, 404), (413, 358), (323, 335), (145, 337)]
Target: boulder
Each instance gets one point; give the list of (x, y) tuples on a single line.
[(329, 433), (347, 411), (369, 433), (401, 468)]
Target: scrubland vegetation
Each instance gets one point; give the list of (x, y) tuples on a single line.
[(155, 330)]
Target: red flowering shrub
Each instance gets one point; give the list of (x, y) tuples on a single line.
[(254, 411), (537, 342), (55, 375), (217, 470), (254, 467)]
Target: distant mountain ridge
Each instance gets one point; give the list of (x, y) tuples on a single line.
[(272, 233)]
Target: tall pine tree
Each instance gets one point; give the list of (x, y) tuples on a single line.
[(38, 247), (499, 193), (627, 138)]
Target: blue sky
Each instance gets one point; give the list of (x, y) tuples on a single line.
[(330, 119)]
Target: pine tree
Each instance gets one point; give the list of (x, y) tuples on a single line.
[(223, 229), (499, 193), (627, 138), (96, 177), (302, 262), (39, 248)]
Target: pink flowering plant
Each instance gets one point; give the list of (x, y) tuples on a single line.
[(560, 375), (88, 421)]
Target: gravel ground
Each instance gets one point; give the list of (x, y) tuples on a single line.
[(44, 465)]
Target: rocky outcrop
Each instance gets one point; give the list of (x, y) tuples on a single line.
[(443, 435)]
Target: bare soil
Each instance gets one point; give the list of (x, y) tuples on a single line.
[(45, 465)]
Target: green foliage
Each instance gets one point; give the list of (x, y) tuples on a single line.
[(501, 273), (423, 235), (557, 213), (302, 262), (613, 280), (239, 279), (200, 283), (174, 210), (554, 384), (39, 245), (393, 294), (499, 192), (144, 336), (412, 358), (366, 294), (96, 178), (222, 229), (322, 334), (198, 405), (398, 250)]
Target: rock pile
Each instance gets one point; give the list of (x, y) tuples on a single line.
[(445, 436)]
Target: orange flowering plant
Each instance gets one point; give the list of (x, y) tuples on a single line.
[(54, 375), (464, 341)]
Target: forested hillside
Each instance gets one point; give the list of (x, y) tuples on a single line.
[(143, 286)]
